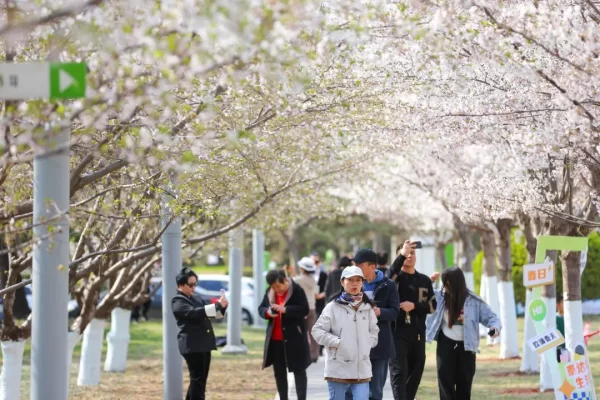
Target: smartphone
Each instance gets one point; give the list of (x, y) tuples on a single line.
[(418, 245)]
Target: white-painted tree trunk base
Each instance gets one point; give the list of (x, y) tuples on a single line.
[(91, 354), (492, 301), (530, 363), (469, 277), (12, 363), (483, 295), (118, 340), (509, 342), (573, 325), (72, 339), (549, 324)]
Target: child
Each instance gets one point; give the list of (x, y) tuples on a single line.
[(455, 326), (347, 328)]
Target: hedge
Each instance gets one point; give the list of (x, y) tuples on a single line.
[(590, 278)]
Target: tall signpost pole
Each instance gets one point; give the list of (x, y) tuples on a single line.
[(50, 277), (234, 311), (51, 194), (171, 264), (258, 263)]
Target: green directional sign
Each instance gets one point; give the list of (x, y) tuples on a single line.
[(42, 80), (67, 81)]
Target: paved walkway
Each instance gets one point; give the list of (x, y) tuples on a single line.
[(317, 387)]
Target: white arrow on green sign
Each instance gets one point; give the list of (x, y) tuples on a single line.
[(43, 80)]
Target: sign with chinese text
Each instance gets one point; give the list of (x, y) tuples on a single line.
[(539, 274), (44, 80), (545, 341), (576, 377)]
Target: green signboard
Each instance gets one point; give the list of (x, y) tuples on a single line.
[(42, 80)]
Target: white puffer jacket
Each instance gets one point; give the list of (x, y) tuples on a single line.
[(348, 336)]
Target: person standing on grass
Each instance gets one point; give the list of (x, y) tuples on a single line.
[(455, 326), (417, 299), (347, 328), (386, 302), (196, 337), (286, 344), (311, 289)]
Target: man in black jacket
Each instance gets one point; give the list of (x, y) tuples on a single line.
[(384, 294), (417, 299), (196, 336)]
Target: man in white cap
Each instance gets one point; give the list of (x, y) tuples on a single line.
[(307, 282)]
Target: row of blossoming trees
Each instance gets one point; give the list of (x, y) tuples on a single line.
[(233, 113), (501, 103), (446, 117)]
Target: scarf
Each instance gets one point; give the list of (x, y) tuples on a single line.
[(349, 300)]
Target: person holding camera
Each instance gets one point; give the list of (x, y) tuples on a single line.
[(455, 326), (417, 299), (196, 337)]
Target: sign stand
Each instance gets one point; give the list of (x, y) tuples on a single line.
[(572, 377), (50, 272)]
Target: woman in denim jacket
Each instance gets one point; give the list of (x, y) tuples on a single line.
[(455, 326)]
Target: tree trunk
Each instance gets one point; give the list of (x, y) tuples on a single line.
[(468, 251), (530, 364), (549, 298), (118, 340), (572, 299), (441, 251), (488, 244), (509, 342), (91, 354), (12, 364), (73, 339)]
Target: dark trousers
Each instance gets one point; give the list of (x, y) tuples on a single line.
[(198, 365), (380, 371), (406, 369), (277, 355), (456, 369)]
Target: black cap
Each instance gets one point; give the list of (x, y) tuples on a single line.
[(365, 255)]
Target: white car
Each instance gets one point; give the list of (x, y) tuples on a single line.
[(211, 285)]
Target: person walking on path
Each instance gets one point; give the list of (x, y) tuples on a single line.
[(311, 289), (417, 299), (384, 293), (196, 337), (320, 276), (347, 328), (455, 327), (333, 285), (286, 344)]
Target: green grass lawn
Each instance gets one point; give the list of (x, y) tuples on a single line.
[(241, 377), (232, 377), (218, 270), (499, 379)]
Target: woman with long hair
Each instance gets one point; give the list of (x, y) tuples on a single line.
[(348, 330), (455, 326)]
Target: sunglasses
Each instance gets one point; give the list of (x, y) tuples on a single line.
[(192, 285)]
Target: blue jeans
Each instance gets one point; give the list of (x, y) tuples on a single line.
[(380, 372), (337, 390)]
